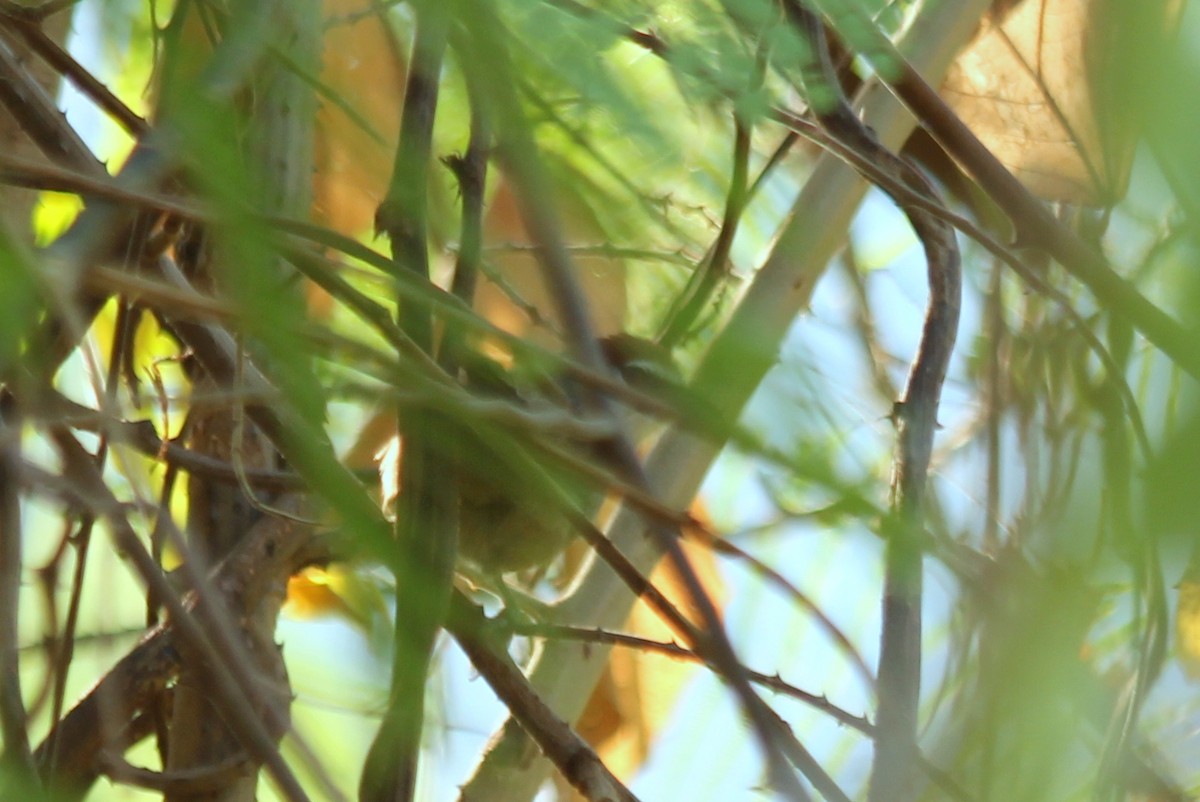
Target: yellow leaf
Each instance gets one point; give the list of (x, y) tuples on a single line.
[(1187, 626), (335, 591), (55, 211)]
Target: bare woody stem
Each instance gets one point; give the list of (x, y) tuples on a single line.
[(893, 775)]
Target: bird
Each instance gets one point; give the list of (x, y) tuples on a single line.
[(512, 512)]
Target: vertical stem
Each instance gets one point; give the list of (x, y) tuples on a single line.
[(16, 757), (426, 518), (471, 172), (278, 109), (893, 775)]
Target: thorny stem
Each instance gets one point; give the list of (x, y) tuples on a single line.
[(520, 157), (575, 759), (915, 416)]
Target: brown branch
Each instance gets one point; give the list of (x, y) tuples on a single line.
[(576, 761), (723, 546), (39, 117), (201, 779), (67, 759), (65, 64), (13, 717), (677, 652), (29, 174), (271, 551), (143, 436)]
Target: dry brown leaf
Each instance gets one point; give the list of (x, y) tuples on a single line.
[(362, 65), (1039, 86)]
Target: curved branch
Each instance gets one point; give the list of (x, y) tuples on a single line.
[(915, 415)]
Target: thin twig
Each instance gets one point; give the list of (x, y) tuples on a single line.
[(996, 331), (605, 250), (699, 291), (724, 546), (83, 537), (865, 329), (677, 652), (143, 436)]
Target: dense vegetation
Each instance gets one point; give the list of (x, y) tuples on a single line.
[(754, 398)]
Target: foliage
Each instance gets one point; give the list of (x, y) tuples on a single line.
[(332, 355)]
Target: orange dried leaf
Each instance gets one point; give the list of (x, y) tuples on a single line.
[(355, 138), (602, 279), (637, 694)]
